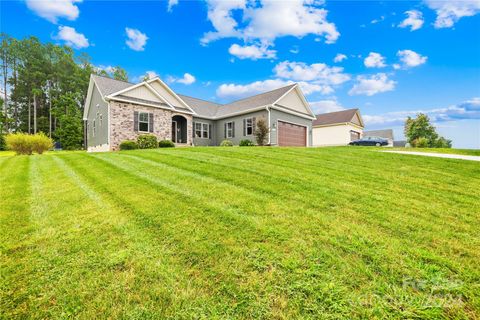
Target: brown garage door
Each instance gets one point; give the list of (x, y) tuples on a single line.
[(291, 135)]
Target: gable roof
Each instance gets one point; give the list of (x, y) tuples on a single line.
[(259, 100), (343, 116), (107, 86), (200, 106), (114, 89), (386, 133)]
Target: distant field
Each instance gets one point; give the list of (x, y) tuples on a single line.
[(234, 233), (468, 152)]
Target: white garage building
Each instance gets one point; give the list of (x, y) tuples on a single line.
[(337, 128)]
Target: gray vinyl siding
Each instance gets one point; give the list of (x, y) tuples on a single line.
[(203, 141), (276, 115), (101, 133), (220, 127)]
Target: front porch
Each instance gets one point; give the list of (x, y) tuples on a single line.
[(180, 131)]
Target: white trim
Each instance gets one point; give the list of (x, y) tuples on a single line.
[(109, 124), (300, 94), (137, 102), (337, 124), (176, 127), (269, 129), (86, 106), (360, 118), (171, 92), (298, 114), (297, 124), (238, 113), (201, 130), (148, 122), (246, 127), (232, 129), (146, 85)]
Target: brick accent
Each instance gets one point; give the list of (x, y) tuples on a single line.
[(121, 123)]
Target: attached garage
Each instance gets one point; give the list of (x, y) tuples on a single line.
[(292, 135), (337, 128)]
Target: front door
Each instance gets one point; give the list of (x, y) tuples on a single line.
[(174, 131)]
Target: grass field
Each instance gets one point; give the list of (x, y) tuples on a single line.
[(273, 233)]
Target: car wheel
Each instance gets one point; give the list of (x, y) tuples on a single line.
[(378, 144)]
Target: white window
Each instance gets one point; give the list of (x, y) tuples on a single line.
[(100, 119), (249, 126), (205, 130), (93, 126), (143, 122), (229, 129), (201, 130), (198, 130)]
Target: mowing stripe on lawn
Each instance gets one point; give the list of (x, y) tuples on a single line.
[(156, 260), (205, 229), (316, 188), (407, 225)]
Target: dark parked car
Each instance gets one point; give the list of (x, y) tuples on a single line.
[(370, 141)]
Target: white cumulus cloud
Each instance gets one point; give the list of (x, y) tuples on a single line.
[(253, 21), (374, 60), (449, 12), (186, 79), (371, 85), (253, 52), (324, 106), (469, 109), (171, 4), (339, 57), (414, 20), (136, 40), (320, 73), (231, 90), (411, 59), (71, 37), (52, 10)]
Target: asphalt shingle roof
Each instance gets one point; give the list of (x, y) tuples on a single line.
[(108, 86), (334, 117), (255, 101), (203, 108)]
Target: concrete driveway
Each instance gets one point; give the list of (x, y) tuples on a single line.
[(438, 155)]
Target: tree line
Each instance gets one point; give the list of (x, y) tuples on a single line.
[(43, 89)]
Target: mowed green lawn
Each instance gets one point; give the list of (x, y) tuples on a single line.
[(231, 233)]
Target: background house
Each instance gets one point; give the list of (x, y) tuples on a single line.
[(337, 128), (385, 133)]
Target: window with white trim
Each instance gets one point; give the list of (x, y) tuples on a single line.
[(93, 127), (198, 129), (143, 122), (229, 129), (249, 126), (201, 130), (100, 119), (205, 130)]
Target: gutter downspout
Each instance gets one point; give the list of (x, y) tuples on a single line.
[(269, 129)]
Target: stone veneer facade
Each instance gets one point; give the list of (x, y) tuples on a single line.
[(121, 123)]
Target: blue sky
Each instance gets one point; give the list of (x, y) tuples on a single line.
[(394, 58)]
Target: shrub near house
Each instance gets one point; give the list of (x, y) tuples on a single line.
[(147, 141)]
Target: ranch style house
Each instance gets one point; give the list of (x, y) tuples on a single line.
[(116, 111)]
